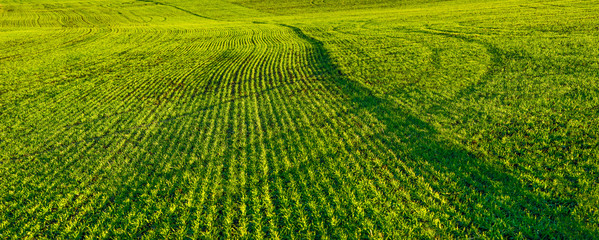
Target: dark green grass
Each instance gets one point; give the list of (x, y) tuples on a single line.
[(255, 119)]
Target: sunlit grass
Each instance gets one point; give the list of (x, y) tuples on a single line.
[(299, 119)]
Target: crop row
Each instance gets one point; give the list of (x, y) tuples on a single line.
[(189, 130)]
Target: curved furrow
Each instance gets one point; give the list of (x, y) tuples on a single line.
[(288, 126), (308, 174), (58, 103), (133, 127), (320, 220), (366, 166)]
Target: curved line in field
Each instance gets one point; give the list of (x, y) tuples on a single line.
[(278, 78), (178, 8)]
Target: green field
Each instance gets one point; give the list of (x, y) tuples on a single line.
[(299, 119)]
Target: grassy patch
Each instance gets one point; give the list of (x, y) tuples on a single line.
[(299, 119)]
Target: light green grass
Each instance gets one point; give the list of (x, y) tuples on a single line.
[(299, 119)]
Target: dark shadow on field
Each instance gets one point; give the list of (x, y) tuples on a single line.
[(480, 182), (525, 213)]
